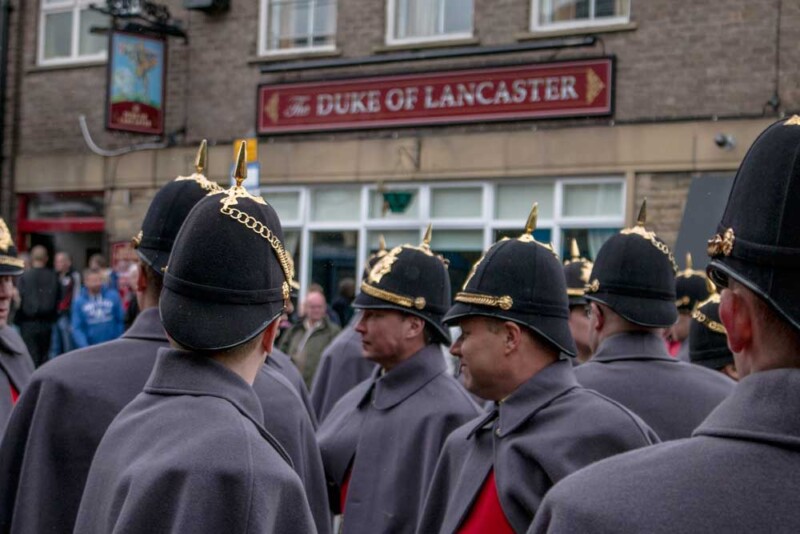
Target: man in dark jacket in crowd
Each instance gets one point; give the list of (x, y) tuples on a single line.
[(740, 471), (494, 471), (381, 440), (68, 290), (306, 339), (38, 291), (190, 453)]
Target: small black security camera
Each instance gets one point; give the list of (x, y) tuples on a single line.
[(724, 141)]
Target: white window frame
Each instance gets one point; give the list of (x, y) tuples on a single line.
[(591, 22), (391, 39), (74, 6), (487, 222), (263, 32)]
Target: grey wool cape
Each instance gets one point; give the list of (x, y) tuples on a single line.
[(739, 473), (546, 429), (391, 428), (286, 419), (16, 368), (281, 362), (189, 454), (673, 397), (341, 368), (59, 421)]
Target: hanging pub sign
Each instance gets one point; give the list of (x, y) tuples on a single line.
[(560, 89), (136, 83)]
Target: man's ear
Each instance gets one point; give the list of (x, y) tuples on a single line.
[(416, 326), (737, 316), (141, 279), (599, 317), (269, 335), (513, 336)]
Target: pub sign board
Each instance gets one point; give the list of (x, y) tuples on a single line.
[(136, 83), (544, 90)]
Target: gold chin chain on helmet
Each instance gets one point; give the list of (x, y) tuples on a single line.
[(230, 199)]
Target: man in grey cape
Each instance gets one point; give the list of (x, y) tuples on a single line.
[(342, 365), (631, 300), (740, 471), (381, 440), (494, 471), (190, 453), (60, 420), (16, 364)]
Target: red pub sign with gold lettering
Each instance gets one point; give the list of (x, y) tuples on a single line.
[(562, 89)]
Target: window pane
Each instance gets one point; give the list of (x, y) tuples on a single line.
[(333, 257), (589, 240), (287, 204), (514, 201), (58, 35), (324, 22), (587, 200), (457, 16), (461, 248), (335, 205), (456, 202), (393, 239), (92, 43), (611, 8), (417, 18), (391, 205), (563, 10)]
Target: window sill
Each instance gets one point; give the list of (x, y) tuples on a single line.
[(421, 45), (78, 64), (583, 30), (292, 56)]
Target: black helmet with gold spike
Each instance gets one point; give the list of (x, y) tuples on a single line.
[(410, 279), (10, 264), (757, 242), (519, 280), (576, 272), (691, 287), (168, 210), (229, 274), (634, 275)]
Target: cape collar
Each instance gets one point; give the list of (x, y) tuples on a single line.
[(392, 388), (529, 398), (632, 346), (11, 342), (762, 407), (147, 326)]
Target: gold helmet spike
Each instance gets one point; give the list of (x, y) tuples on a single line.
[(575, 252), (530, 224), (381, 243), (426, 241), (201, 160), (240, 172), (688, 261), (642, 218)]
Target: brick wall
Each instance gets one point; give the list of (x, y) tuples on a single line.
[(666, 198), (699, 59)]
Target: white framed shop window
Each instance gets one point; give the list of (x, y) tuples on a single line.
[(552, 15), (330, 230), (296, 26), (421, 21), (64, 33)]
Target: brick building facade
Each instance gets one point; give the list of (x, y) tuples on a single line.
[(685, 74)]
